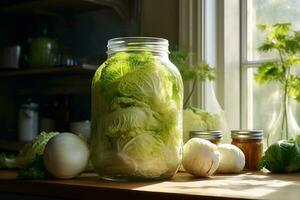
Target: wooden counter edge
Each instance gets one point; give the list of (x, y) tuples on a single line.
[(67, 191)]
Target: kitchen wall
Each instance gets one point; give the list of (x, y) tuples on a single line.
[(160, 18), (86, 35)]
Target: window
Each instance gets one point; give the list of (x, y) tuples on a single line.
[(215, 30), (211, 29), (259, 102)]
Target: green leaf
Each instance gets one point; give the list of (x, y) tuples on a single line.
[(179, 58), (267, 72), (276, 36), (205, 72), (294, 87), (267, 46), (201, 71), (292, 60), (261, 27), (35, 170)]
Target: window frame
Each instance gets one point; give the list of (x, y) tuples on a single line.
[(211, 29), (247, 67)]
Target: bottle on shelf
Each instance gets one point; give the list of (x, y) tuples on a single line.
[(28, 121)]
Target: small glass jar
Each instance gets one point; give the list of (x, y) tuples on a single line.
[(214, 137), (250, 142)]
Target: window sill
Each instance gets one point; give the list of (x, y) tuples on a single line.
[(248, 185)]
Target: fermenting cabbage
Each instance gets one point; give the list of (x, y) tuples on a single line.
[(196, 119), (136, 117)]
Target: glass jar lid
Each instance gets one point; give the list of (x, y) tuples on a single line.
[(137, 44), (208, 135), (247, 134)]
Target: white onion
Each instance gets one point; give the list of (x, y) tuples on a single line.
[(66, 155)]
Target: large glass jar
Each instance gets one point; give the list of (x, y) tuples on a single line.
[(136, 111)]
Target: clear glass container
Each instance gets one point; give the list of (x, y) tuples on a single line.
[(251, 143), (284, 125), (210, 117), (213, 107), (137, 98), (214, 137)]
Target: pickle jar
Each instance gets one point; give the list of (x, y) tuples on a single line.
[(214, 137), (137, 98), (251, 143)]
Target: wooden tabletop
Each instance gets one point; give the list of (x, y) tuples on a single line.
[(248, 185)]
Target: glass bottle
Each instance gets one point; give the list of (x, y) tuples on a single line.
[(136, 112), (284, 126), (213, 107)]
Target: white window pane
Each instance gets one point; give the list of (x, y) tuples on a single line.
[(266, 104), (268, 12)]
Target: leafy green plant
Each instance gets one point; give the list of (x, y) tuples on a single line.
[(197, 72), (285, 42)]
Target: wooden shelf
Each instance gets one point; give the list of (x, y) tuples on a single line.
[(47, 71), (62, 7), (48, 81), (11, 146), (248, 185)]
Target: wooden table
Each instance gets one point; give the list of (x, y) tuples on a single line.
[(255, 185)]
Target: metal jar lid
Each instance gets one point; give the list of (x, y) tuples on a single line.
[(247, 134), (30, 106), (208, 135)]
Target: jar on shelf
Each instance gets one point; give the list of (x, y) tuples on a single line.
[(136, 112), (251, 143), (28, 123), (212, 136)]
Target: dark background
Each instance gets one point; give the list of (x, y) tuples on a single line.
[(83, 29)]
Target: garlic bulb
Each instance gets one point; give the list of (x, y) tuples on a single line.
[(200, 157), (232, 159)]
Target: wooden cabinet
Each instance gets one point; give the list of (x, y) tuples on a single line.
[(80, 26)]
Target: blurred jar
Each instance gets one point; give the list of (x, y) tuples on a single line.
[(214, 137), (43, 52), (81, 127), (28, 121)]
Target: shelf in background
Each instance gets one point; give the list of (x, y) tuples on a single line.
[(11, 146), (85, 70), (48, 81), (62, 7)]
